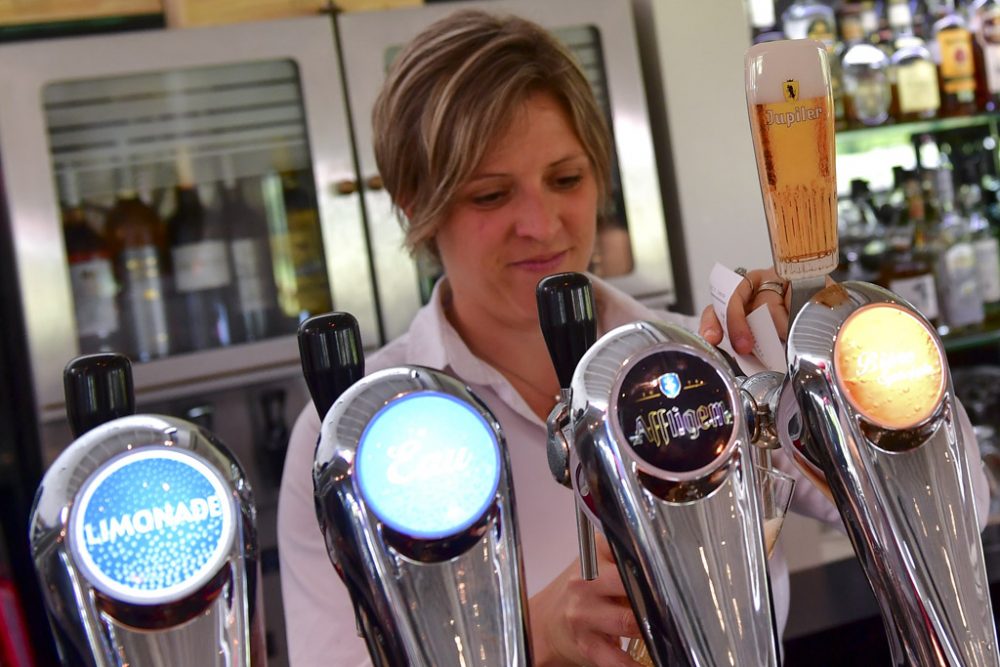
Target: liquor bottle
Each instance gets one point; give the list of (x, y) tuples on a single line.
[(906, 269), (91, 274), (202, 277), (987, 250), (763, 21), (250, 250), (951, 49), (877, 21), (867, 89), (811, 19), (305, 245), (915, 93), (920, 14), (955, 270), (858, 226), (133, 232), (984, 22)]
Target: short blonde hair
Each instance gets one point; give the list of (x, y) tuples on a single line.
[(452, 91)]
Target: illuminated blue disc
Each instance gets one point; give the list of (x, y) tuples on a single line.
[(428, 465), (153, 525)]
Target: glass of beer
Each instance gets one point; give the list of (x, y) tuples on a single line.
[(790, 103), (776, 490), (776, 495)]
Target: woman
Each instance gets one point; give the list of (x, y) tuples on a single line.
[(492, 146)]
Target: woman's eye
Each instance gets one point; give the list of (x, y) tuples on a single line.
[(568, 182), (489, 198)]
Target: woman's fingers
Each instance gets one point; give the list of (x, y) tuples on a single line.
[(710, 328), (605, 651), (779, 313), (580, 622), (605, 615), (761, 287), (736, 314)]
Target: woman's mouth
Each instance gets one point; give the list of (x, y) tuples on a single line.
[(540, 263)]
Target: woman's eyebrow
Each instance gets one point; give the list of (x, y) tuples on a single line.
[(569, 158)]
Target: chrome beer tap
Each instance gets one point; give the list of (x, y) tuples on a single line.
[(414, 499), (880, 424), (657, 425), (143, 535), (867, 410)]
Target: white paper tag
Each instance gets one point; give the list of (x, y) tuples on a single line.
[(767, 346), (769, 352)]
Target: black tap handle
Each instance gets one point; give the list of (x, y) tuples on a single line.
[(98, 388), (332, 357), (568, 319)]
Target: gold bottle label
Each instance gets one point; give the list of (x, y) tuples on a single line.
[(889, 366), (916, 85), (305, 244), (989, 38), (957, 67)]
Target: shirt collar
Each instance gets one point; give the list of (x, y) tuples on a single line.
[(434, 342)]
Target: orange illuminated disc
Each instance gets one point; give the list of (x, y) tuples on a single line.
[(889, 366)]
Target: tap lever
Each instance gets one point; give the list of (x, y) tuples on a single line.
[(98, 388), (790, 104), (568, 319), (332, 356)]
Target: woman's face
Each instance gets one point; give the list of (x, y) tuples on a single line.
[(529, 210)]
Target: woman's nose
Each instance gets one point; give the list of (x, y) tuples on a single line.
[(537, 216)]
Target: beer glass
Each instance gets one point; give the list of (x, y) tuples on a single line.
[(792, 123)]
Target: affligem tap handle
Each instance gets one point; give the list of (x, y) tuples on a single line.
[(568, 319), (332, 357), (98, 388)]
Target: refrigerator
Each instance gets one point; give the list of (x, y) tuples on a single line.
[(184, 197), (135, 166)]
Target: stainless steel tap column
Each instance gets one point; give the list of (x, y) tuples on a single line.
[(867, 410), (872, 381), (414, 499), (657, 424), (144, 538)]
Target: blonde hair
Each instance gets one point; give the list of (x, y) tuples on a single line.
[(453, 91)]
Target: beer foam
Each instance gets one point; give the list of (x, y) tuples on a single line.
[(770, 64)]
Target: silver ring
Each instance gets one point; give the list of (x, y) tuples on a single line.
[(775, 286), (741, 271)]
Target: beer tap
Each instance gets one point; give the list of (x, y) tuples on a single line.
[(867, 409), (143, 535), (568, 320), (413, 494), (655, 420)]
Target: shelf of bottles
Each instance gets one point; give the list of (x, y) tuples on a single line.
[(189, 215), (917, 90)]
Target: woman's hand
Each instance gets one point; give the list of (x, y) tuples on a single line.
[(748, 297), (579, 622)]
